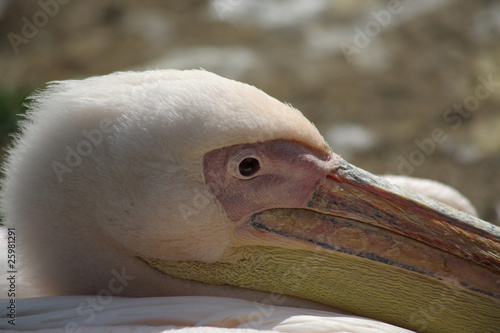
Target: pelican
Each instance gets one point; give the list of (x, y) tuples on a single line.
[(134, 194)]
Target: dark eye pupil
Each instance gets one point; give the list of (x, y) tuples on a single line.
[(249, 166)]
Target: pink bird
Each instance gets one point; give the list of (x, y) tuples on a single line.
[(171, 199)]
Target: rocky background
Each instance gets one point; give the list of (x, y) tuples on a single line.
[(401, 87)]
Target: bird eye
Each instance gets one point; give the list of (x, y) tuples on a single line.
[(249, 166), (245, 164)]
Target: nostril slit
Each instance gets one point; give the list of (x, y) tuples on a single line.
[(334, 177)]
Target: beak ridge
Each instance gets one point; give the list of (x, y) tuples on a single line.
[(353, 193)]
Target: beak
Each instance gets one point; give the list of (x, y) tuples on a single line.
[(357, 213), (363, 245)]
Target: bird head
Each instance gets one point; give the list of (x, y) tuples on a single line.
[(196, 184)]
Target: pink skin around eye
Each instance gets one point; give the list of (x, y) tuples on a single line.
[(288, 174)]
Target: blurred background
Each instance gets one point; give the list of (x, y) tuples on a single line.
[(401, 87)]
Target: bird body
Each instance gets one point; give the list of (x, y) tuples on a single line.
[(182, 183)]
